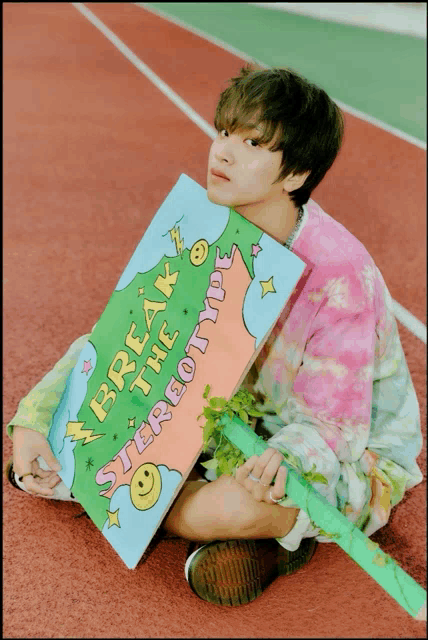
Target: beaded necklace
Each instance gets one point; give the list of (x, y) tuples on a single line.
[(288, 243)]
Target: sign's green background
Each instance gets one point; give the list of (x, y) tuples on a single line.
[(125, 307)]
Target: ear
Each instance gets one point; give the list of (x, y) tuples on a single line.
[(294, 181)]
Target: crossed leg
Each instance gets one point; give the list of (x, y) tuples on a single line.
[(224, 510)]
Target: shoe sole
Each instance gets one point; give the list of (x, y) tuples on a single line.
[(236, 572)]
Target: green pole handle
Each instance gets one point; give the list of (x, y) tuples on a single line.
[(379, 565)]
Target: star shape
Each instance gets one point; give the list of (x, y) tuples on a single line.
[(131, 422), (140, 291), (267, 286), (255, 248), (113, 518), (87, 366)]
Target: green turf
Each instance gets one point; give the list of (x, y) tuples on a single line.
[(382, 74)]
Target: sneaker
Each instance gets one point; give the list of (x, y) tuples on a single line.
[(235, 572), (10, 475)]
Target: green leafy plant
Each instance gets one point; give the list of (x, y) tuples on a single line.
[(226, 456), (313, 476)]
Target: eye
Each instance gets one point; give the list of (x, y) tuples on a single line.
[(251, 140), (223, 132), (146, 473)]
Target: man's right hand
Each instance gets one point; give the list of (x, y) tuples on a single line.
[(28, 445)]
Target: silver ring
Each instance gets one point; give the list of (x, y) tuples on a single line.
[(272, 498), (250, 475)]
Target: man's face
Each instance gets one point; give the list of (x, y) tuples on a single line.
[(251, 170)]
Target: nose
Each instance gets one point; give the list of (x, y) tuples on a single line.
[(223, 151)]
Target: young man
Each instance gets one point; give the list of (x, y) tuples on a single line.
[(332, 379)]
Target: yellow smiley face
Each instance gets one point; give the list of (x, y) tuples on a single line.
[(146, 486), (199, 252)]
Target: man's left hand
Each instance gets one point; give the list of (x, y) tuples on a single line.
[(258, 473)]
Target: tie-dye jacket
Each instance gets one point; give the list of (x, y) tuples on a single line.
[(335, 386), (333, 380)]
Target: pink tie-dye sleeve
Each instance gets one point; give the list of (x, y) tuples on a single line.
[(327, 412), (333, 387)]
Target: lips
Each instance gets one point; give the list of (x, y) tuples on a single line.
[(219, 174)]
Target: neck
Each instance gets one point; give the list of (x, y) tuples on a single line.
[(277, 219)]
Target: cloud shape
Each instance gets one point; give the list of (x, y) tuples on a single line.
[(181, 209), (286, 269), (137, 527)]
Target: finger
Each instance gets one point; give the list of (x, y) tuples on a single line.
[(50, 481), (22, 468), (44, 474), (37, 470), (53, 481), (278, 490), (271, 469), (266, 459), (36, 488), (244, 478), (242, 472), (263, 459)]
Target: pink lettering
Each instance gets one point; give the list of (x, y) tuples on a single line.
[(183, 373), (140, 443), (173, 395), (124, 457), (103, 477), (216, 291), (209, 313), (226, 261), (196, 341), (155, 419)]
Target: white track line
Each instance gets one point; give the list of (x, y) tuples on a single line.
[(227, 47), (405, 317), (160, 84)]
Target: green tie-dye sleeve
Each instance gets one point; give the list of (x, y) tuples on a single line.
[(35, 411)]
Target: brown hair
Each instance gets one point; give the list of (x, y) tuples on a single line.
[(297, 118)]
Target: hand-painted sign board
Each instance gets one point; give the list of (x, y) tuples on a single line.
[(193, 307)]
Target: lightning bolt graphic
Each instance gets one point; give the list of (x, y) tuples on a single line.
[(175, 237), (75, 429)]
